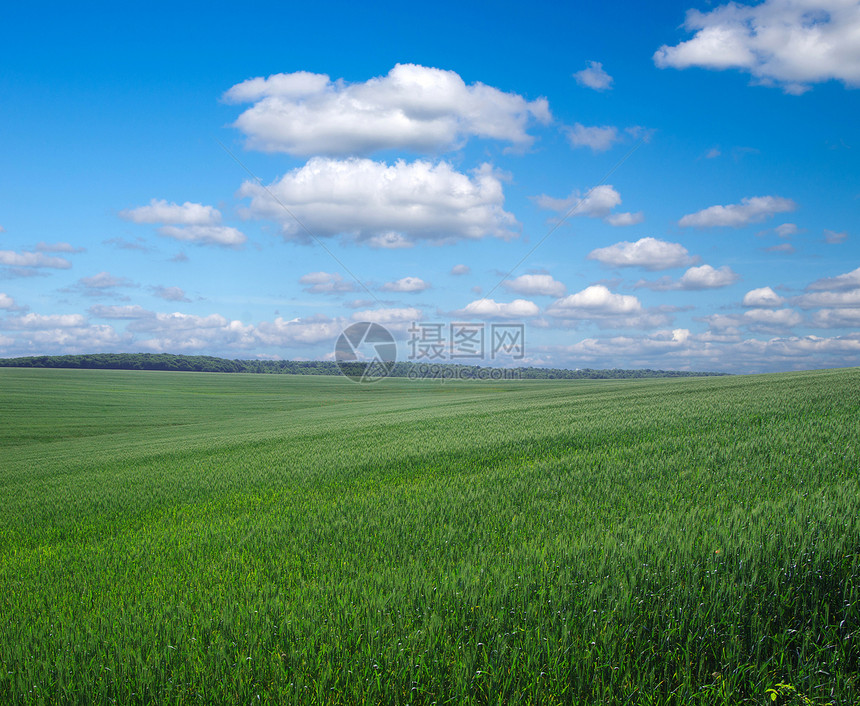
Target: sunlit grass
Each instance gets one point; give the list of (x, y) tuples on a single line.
[(173, 537)]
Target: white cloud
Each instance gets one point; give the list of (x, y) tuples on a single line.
[(7, 302), (190, 222), (406, 284), (460, 270), (832, 237), (595, 203), (10, 258), (750, 210), (594, 77), (206, 235), (46, 337), (786, 230), (186, 332), (535, 285), (713, 153), (300, 331), (837, 318), (597, 138), (391, 317), (663, 349), (762, 297), (491, 309), (170, 294), (160, 211), (389, 241), (413, 108), (625, 219), (326, 283), (594, 300), (45, 321), (650, 253), (707, 277), (702, 277), (790, 43), (364, 199), (850, 298), (772, 319), (850, 280)]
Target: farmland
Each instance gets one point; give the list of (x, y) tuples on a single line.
[(193, 537)]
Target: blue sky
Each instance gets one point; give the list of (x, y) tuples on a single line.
[(671, 186)]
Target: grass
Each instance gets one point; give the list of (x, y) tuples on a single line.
[(202, 538)]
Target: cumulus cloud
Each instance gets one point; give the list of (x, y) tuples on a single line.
[(625, 219), (190, 222), (832, 237), (702, 277), (460, 270), (406, 284), (762, 297), (45, 321), (10, 258), (366, 200), (849, 280), (37, 334), (789, 43), (161, 211), (391, 317), (837, 318), (595, 203), (663, 349), (594, 76), (772, 319), (326, 283), (177, 331), (597, 138), (707, 277), (7, 303), (413, 107), (750, 210), (491, 309), (535, 285), (594, 300), (649, 253), (605, 308), (205, 235), (299, 331), (850, 298)]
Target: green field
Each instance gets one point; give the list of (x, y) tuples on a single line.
[(207, 538)]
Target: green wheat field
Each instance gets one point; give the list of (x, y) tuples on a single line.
[(179, 538)]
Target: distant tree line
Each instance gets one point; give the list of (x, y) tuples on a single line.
[(407, 369)]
